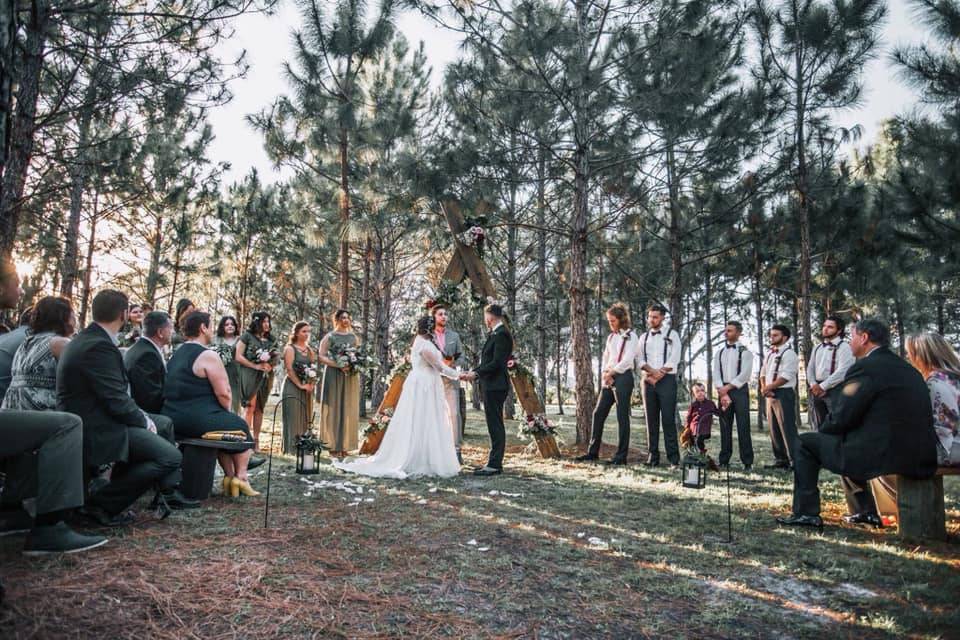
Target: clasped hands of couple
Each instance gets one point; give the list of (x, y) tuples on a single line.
[(468, 376)]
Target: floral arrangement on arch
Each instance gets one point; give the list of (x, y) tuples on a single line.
[(537, 425), (474, 233), (401, 369), (516, 368), (378, 422)]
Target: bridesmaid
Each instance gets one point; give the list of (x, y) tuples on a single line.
[(297, 390), (340, 392), (184, 308), (225, 343), (256, 377)]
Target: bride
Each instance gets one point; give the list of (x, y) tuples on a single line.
[(419, 439)]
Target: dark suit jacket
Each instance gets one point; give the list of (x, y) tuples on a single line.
[(146, 372), (883, 414), (492, 372), (92, 383)]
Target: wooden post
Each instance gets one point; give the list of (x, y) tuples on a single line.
[(920, 506)]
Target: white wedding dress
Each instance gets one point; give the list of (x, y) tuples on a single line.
[(419, 439)]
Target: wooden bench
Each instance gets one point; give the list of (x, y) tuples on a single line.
[(199, 463), (921, 512)]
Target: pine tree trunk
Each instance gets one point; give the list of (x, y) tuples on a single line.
[(676, 257), (804, 342), (708, 323), (153, 274), (8, 38), (365, 318), (22, 127), (541, 276), (344, 218), (561, 357), (381, 324), (509, 408), (758, 311), (91, 246), (580, 302)]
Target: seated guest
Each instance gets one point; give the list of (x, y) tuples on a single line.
[(93, 384), (699, 419), (880, 423), (198, 399), (34, 374), (939, 365), (145, 364), (54, 441), (9, 343)]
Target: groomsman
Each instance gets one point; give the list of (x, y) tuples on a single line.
[(616, 385), (449, 343), (778, 383), (732, 368), (827, 367), (658, 358)]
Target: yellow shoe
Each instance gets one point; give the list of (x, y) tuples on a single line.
[(227, 485), (238, 486)]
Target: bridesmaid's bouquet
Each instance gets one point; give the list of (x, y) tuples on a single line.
[(353, 360), (225, 351), (306, 372), (261, 355)]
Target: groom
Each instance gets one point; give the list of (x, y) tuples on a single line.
[(494, 383)]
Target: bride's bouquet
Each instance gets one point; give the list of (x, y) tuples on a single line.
[(353, 360)]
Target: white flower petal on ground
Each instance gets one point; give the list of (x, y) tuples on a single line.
[(421, 501), (472, 542)]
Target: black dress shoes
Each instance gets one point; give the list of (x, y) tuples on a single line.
[(616, 462), (781, 466), (255, 462), (651, 462), (587, 457), (104, 519), (869, 519), (487, 471), (176, 500), (59, 538), (794, 520)]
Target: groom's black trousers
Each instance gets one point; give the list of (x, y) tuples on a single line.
[(493, 409)]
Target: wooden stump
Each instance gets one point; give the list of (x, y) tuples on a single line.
[(920, 505), (392, 396), (371, 443), (547, 445)]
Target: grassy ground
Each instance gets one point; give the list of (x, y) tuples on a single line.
[(548, 550)]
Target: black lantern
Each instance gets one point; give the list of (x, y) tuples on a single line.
[(309, 448), (693, 473)]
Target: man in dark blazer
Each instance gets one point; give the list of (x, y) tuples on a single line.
[(52, 442), (494, 385), (881, 422), (144, 361), (92, 383)]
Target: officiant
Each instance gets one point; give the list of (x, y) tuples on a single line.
[(450, 345)]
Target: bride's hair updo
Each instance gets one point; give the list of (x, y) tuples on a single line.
[(425, 327)]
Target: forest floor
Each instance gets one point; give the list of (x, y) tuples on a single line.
[(550, 549)]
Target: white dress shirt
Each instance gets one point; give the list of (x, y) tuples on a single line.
[(658, 349), (829, 363), (781, 362), (620, 351), (733, 364)]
